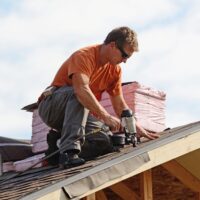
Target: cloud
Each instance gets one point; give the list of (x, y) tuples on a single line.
[(37, 36), (168, 60)]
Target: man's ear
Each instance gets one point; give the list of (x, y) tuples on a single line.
[(112, 44)]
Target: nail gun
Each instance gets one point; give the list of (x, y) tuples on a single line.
[(129, 125), (128, 135)]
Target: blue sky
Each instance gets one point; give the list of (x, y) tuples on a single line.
[(37, 36)]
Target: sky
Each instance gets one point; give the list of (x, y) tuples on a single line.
[(36, 37)]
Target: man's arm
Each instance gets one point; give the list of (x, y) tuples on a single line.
[(119, 105), (87, 99)]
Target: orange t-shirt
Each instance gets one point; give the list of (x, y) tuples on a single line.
[(86, 61)]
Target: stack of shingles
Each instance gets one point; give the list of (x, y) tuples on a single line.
[(24, 164), (8, 166), (39, 144), (18, 156), (39, 133), (147, 104)]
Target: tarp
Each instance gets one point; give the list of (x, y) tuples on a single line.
[(13, 150)]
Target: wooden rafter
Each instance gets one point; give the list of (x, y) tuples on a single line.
[(100, 195), (183, 175), (146, 185), (90, 197), (197, 196), (124, 191)]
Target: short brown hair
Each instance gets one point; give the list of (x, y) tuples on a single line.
[(121, 36)]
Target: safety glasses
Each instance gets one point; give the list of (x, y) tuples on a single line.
[(123, 53)]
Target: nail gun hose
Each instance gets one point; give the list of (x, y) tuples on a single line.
[(103, 128)]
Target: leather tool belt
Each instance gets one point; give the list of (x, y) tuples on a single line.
[(47, 92)]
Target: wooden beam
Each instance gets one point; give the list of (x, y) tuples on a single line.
[(124, 191), (90, 197), (100, 195), (58, 194), (197, 196), (146, 185), (183, 175)]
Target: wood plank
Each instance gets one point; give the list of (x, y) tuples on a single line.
[(197, 196), (58, 194), (90, 197), (146, 185), (124, 191), (189, 161), (100, 195), (183, 175)]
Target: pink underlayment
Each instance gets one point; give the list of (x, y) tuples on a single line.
[(22, 165), (147, 104), (8, 166)]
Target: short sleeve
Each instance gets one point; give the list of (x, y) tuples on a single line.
[(79, 62), (115, 88)]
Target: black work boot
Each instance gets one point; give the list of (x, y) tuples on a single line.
[(52, 138), (70, 159)]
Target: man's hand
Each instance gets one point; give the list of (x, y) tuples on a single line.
[(112, 122), (141, 132)]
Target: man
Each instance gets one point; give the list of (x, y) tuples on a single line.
[(77, 89)]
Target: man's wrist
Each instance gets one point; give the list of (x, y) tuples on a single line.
[(105, 116)]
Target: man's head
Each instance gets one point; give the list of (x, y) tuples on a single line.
[(124, 40)]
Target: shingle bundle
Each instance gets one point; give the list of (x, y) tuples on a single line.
[(24, 164), (39, 133), (147, 104)]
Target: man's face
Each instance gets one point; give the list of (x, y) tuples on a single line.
[(120, 54)]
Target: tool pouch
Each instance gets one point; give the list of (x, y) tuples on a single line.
[(47, 92)]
